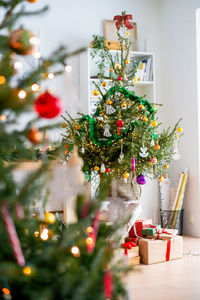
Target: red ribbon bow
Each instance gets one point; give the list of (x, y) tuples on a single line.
[(125, 18), (128, 246)]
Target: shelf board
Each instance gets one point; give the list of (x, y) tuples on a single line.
[(143, 83), (139, 83), (98, 79), (135, 53)]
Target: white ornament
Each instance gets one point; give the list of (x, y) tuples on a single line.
[(107, 131), (122, 31), (121, 156), (143, 152), (109, 109), (83, 150), (176, 155), (103, 169), (152, 143)]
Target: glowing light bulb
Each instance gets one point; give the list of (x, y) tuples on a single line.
[(35, 87), (34, 40), (89, 229), (37, 54), (3, 117), (27, 271), (22, 94), (51, 76), (2, 79), (89, 241), (49, 218), (18, 65), (6, 291), (36, 233), (75, 251), (44, 234), (68, 68)]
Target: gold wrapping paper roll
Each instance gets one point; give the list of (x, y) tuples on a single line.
[(179, 200)]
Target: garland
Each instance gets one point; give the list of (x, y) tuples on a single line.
[(114, 138), (104, 142), (130, 96)]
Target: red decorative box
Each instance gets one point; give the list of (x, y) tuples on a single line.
[(139, 225)]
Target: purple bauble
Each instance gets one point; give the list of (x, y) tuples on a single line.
[(141, 179)]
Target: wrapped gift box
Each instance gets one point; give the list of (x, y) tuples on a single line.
[(139, 225), (134, 252), (151, 230), (133, 261), (163, 234), (172, 231), (130, 249), (154, 251)]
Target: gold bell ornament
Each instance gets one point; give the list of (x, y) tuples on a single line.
[(126, 176)]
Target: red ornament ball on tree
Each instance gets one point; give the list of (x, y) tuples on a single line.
[(120, 123), (119, 78), (107, 170), (48, 106)]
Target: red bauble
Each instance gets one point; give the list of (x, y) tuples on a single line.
[(48, 106), (119, 78), (107, 170), (120, 123)]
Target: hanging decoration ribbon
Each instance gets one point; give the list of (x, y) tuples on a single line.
[(10, 227), (125, 19)]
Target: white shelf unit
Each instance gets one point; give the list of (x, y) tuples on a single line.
[(87, 68)]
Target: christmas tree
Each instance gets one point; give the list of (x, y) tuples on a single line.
[(122, 137), (40, 257)]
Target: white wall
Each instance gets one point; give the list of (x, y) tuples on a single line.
[(179, 95), (72, 23)]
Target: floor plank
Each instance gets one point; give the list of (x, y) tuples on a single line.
[(173, 280)]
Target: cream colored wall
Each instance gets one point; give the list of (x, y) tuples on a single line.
[(179, 95)]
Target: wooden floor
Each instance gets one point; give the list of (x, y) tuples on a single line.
[(173, 280)]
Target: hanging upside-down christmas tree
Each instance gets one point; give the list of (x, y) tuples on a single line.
[(122, 138)]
